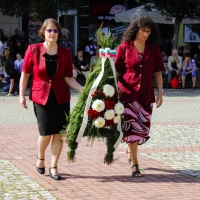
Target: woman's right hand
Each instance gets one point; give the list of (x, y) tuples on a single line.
[(22, 101)]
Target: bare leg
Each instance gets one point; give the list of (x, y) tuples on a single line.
[(194, 81), (43, 142), (133, 147), (56, 148), (183, 81)]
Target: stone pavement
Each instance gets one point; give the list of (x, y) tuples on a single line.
[(170, 159)]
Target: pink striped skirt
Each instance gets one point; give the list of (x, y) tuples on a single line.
[(137, 121)]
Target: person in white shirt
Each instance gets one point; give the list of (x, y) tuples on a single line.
[(19, 62), (174, 66), (90, 49)]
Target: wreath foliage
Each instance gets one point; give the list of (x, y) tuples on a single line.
[(109, 135)]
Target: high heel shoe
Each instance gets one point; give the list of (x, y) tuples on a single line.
[(55, 177), (137, 172), (41, 170)]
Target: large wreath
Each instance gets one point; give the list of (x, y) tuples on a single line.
[(97, 112)]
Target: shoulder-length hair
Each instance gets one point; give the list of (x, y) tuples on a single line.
[(44, 26), (142, 22), (9, 68)]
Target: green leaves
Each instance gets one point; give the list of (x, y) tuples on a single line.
[(179, 9)]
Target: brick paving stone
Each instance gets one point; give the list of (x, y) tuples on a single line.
[(168, 158)]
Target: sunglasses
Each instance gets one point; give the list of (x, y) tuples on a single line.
[(54, 30)]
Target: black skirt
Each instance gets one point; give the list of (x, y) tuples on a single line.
[(51, 117)]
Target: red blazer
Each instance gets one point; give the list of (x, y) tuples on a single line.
[(135, 81), (34, 62)]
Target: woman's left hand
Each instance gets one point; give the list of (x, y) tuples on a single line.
[(159, 99)]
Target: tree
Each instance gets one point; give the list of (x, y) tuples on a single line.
[(42, 9), (179, 9)]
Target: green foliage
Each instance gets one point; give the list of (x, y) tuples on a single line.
[(179, 9), (42, 9), (76, 117)]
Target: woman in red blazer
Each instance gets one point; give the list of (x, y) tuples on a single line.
[(138, 59), (51, 68)]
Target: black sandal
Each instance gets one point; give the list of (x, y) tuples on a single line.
[(41, 170), (55, 177), (183, 87), (137, 172)]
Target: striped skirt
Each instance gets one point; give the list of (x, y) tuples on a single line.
[(137, 121)]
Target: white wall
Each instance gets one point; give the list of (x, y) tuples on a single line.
[(9, 24)]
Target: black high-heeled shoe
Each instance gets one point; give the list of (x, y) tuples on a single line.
[(137, 172), (55, 177), (41, 170)]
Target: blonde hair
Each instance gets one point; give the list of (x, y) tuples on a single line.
[(44, 26)]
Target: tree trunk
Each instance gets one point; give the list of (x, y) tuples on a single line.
[(176, 33)]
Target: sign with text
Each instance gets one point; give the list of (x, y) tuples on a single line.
[(104, 11)]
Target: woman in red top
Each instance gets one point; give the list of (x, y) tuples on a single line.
[(138, 58), (51, 67)]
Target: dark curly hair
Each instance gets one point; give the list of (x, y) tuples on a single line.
[(142, 22)]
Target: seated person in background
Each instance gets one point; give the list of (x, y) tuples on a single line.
[(90, 49), (80, 64), (19, 62), (174, 66), (6, 56), (65, 42), (164, 56), (3, 59), (94, 59), (189, 67), (12, 77)]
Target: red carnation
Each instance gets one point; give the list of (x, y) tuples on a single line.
[(109, 123), (93, 114), (109, 104)]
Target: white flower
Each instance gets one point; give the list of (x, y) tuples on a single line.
[(119, 108), (116, 119), (109, 114), (108, 90), (98, 105), (99, 122)]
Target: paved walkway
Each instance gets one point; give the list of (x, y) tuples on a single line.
[(170, 159)]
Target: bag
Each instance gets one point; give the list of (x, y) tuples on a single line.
[(175, 82)]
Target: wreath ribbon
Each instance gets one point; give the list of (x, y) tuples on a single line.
[(104, 54)]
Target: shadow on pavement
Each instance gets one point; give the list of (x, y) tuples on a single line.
[(172, 176)]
